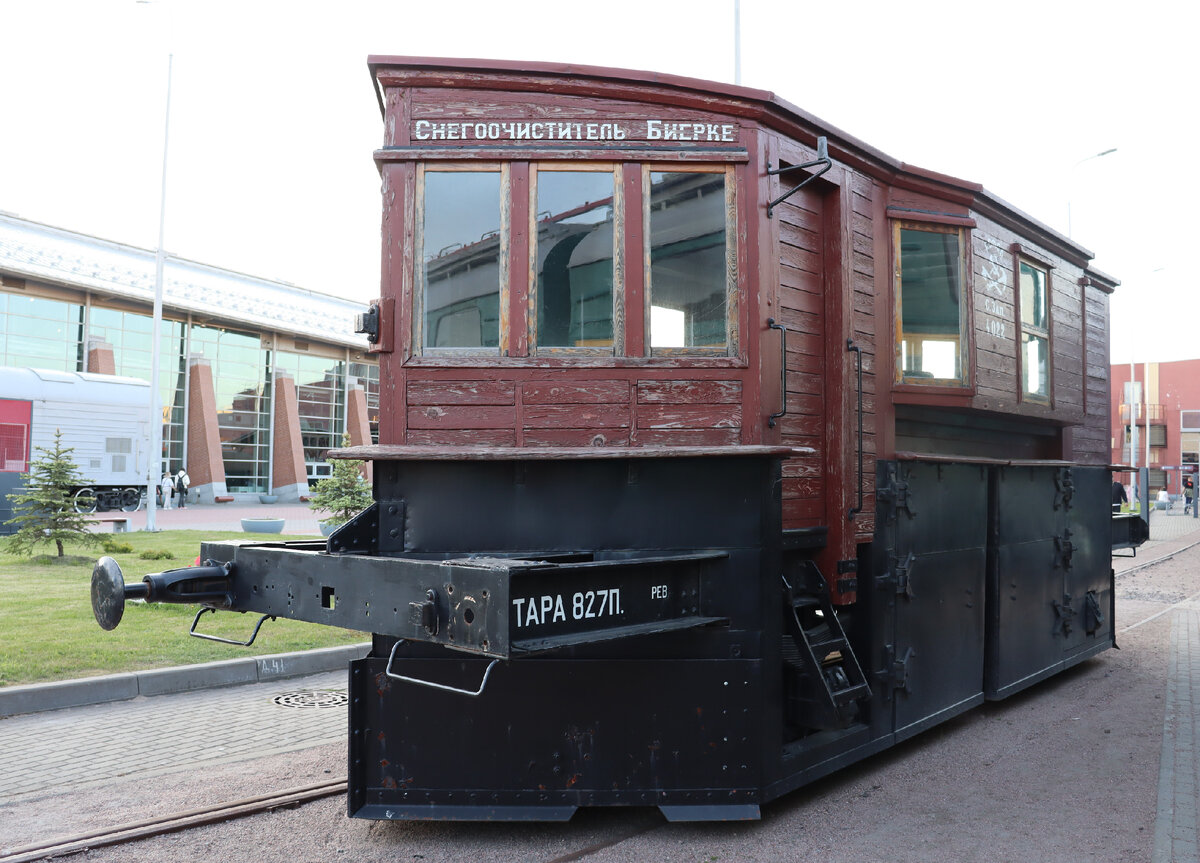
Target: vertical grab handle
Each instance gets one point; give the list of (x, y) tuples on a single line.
[(850, 346), (782, 372)]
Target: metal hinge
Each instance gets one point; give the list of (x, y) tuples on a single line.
[(1064, 488), (895, 495), (1065, 613), (1064, 550), (899, 574), (894, 674)]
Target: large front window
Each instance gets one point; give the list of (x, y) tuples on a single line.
[(574, 259), (550, 258), (930, 277), (460, 255)]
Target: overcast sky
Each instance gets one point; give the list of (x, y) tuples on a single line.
[(273, 116)]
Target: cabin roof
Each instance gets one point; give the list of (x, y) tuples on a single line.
[(761, 106)]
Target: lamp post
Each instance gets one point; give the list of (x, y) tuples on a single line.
[(737, 41), (1070, 191), (155, 460)]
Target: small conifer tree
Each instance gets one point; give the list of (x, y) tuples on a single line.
[(344, 493), (44, 510)]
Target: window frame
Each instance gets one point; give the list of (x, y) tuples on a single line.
[(617, 348), (517, 238), (1023, 257), (965, 330), (504, 169), (731, 347)]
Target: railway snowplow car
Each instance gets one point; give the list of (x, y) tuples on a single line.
[(718, 450)]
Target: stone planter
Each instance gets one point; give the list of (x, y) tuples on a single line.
[(268, 498), (327, 528), (262, 525)]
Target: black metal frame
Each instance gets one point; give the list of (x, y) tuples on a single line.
[(710, 673)]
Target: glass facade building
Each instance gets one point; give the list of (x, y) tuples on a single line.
[(54, 320)]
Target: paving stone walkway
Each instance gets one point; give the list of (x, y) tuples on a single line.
[(1175, 836), (80, 746)]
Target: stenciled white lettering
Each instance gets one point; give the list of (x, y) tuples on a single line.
[(569, 130), (551, 608)]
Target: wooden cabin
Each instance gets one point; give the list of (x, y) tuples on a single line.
[(576, 256)]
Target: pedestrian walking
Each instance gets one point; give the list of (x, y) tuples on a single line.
[(182, 482), (166, 490), (1118, 495)]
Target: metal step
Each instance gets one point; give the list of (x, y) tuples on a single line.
[(828, 691)]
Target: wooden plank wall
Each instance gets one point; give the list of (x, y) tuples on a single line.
[(1093, 440), (863, 193), (802, 311), (996, 328), (613, 410)]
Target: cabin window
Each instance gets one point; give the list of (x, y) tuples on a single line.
[(574, 252), (459, 259), (1035, 331), (931, 314), (690, 262)]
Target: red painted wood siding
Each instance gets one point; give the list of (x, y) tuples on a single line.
[(571, 410), (802, 311)]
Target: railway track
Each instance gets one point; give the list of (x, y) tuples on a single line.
[(134, 831), (131, 832)]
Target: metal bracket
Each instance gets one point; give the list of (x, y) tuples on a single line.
[(368, 323), (458, 691), (359, 535), (822, 161), (192, 632)]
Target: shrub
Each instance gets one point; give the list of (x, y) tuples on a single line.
[(45, 511), (344, 493)]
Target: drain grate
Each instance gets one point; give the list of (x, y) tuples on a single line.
[(313, 698)]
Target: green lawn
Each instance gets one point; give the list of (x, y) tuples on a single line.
[(47, 631)]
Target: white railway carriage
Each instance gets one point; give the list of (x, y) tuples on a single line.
[(105, 419)]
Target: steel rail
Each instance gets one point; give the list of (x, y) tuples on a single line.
[(1171, 607), (133, 831)]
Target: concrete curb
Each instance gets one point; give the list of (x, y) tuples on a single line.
[(38, 697)]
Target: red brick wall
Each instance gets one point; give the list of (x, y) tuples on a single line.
[(289, 479)]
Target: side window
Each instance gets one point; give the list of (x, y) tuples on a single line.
[(1035, 332), (574, 259), (459, 276), (689, 271), (930, 283)]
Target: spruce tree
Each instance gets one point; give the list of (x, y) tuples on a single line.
[(344, 493), (44, 510)]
